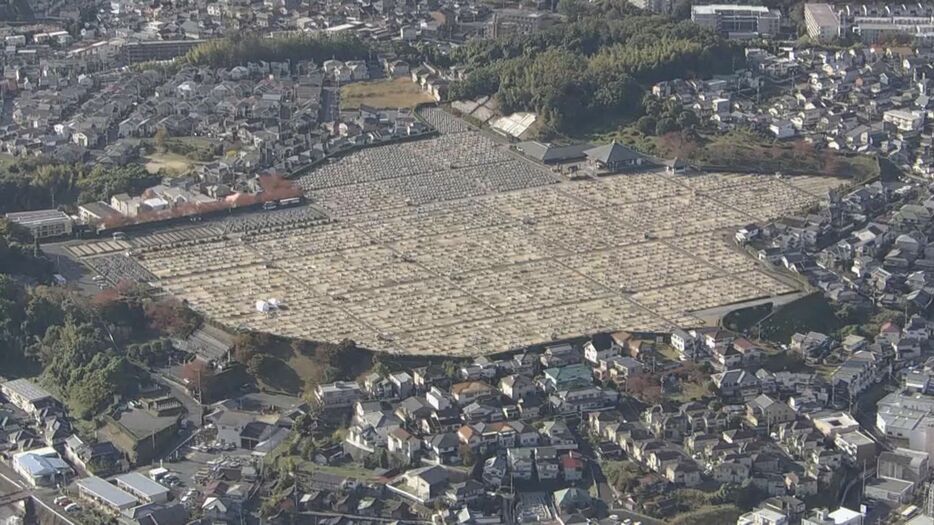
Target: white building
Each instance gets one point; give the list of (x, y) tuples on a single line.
[(42, 467), (338, 394), (105, 494), (763, 516), (27, 396), (738, 21), (906, 121), (841, 516), (43, 223), (822, 21), (907, 419), (143, 488)]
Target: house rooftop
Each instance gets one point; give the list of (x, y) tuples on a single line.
[(27, 390), (114, 496), (612, 152), (141, 484)]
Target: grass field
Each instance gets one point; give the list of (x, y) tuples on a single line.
[(691, 391), (346, 471), (811, 312), (396, 93), (744, 151), (6, 159), (745, 318)]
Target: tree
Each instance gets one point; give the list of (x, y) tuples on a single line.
[(43, 310), (169, 316), (681, 10), (379, 459), (468, 457), (380, 368), (646, 387), (665, 125), (161, 138), (103, 182), (646, 125), (196, 374), (623, 475), (450, 369), (256, 364), (687, 119), (592, 67), (308, 449), (80, 363), (241, 50)]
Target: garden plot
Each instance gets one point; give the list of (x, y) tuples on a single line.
[(680, 299), (713, 182), (589, 317), (769, 198), (535, 203), (443, 121), (714, 250), (448, 167), (454, 246), (208, 257), (280, 245), (426, 221), (536, 285), (423, 304), (585, 231), (341, 201), (813, 184), (117, 268), (634, 188), (766, 283), (335, 274), (470, 250), (677, 216), (640, 267)]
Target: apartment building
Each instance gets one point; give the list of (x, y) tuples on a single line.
[(738, 21)]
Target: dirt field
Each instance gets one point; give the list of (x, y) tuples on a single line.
[(397, 93), (173, 163)]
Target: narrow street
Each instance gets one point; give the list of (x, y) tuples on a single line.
[(39, 496)]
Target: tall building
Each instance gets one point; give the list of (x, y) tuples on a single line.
[(738, 21), (157, 49), (822, 21), (506, 22), (870, 22)]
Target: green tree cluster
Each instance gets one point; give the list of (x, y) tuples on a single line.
[(80, 346), (242, 49), (664, 116), (18, 254), (31, 184), (592, 68), (82, 365), (150, 353)]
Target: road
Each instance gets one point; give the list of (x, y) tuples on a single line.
[(11, 477), (192, 406), (635, 517), (605, 492)]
